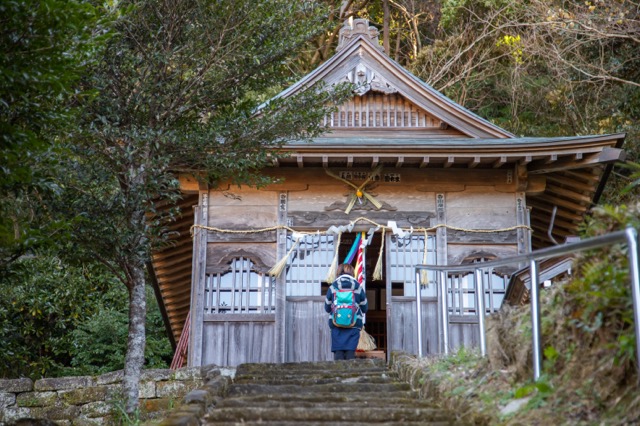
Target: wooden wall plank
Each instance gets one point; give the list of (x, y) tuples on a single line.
[(242, 196), (403, 325), (242, 217), (405, 329), (230, 343), (308, 334), (481, 208)]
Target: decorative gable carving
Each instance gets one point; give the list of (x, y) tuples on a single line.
[(352, 28), (366, 79)]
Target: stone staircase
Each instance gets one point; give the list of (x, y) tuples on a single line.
[(358, 392)]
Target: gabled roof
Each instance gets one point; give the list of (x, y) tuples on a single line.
[(360, 60)]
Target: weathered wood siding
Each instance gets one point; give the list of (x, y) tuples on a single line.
[(404, 329), (481, 207), (242, 208), (485, 208), (463, 330), (307, 330), (238, 340)]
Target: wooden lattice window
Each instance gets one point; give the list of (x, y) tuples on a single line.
[(404, 254), (308, 264), (240, 290), (462, 293)]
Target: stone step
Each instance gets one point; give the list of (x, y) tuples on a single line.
[(306, 367), (333, 423), (316, 400), (359, 392), (333, 388), (320, 397), (311, 373), (328, 414), (313, 380)]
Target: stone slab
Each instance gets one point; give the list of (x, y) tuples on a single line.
[(63, 383), (7, 399), (36, 399), (16, 385)]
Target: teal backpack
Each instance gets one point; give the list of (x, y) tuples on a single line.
[(344, 310)]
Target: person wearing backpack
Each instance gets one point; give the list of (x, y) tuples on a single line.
[(346, 301)]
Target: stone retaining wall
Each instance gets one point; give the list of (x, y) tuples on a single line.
[(97, 400)]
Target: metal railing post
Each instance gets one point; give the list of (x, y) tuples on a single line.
[(535, 320), (634, 274), (480, 309), (419, 313), (444, 311)]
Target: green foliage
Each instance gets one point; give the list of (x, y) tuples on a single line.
[(551, 355), (47, 47), (43, 301), (183, 102), (124, 418), (634, 185), (541, 387), (458, 359), (599, 299), (100, 343), (58, 319)]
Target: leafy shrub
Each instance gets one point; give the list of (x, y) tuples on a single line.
[(100, 343), (61, 319)]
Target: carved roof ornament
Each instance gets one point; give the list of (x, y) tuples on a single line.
[(352, 28), (366, 79)]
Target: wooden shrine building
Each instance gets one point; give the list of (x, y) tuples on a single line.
[(426, 179)]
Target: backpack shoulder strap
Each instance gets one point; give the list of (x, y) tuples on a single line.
[(333, 288)]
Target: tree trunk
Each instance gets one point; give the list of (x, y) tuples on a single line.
[(385, 28), (134, 360)]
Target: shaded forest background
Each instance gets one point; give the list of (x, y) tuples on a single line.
[(535, 68)]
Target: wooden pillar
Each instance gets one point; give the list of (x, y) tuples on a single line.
[(441, 233), (281, 281), (524, 184), (442, 254), (388, 289), (198, 276), (522, 218)]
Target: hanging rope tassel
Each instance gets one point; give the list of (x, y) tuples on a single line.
[(331, 275), (377, 272), (279, 267), (424, 278)]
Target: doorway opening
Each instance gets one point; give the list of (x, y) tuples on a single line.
[(376, 317)]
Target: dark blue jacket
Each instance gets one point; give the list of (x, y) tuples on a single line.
[(345, 282)]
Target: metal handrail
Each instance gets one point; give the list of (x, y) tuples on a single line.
[(629, 235)]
